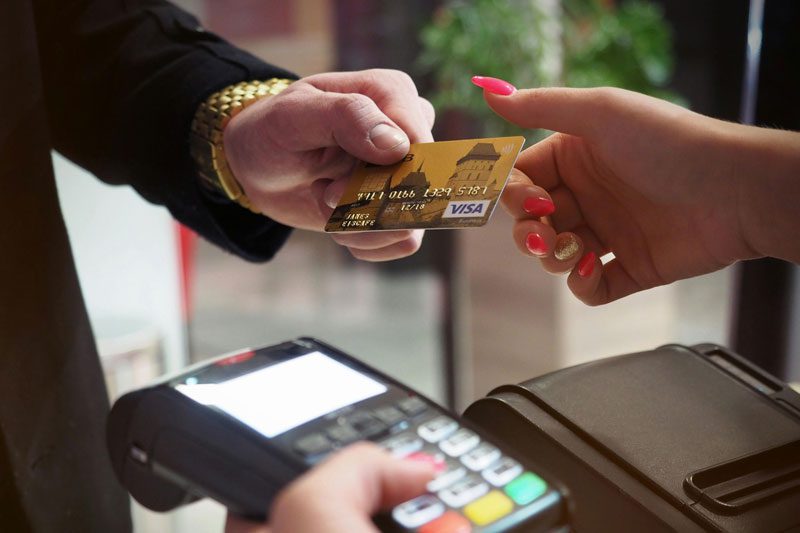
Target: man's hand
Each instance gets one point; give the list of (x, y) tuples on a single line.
[(341, 494), (293, 152)]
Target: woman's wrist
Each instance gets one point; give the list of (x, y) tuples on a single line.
[(766, 164)]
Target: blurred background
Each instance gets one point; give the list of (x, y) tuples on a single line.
[(468, 312)]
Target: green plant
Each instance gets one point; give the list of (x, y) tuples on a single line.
[(534, 43), (628, 46)]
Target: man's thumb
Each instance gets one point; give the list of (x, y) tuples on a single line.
[(355, 123)]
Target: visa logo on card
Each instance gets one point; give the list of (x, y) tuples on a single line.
[(466, 209)]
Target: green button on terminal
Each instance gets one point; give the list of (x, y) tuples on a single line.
[(526, 488)]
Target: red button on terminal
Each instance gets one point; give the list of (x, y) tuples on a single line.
[(436, 461), (450, 522)]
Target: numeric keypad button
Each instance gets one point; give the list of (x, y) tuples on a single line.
[(389, 415), (313, 444), (366, 425), (481, 456), (437, 428), (459, 442), (412, 406), (418, 511), (343, 433), (450, 475), (464, 491), (403, 444), (502, 472)]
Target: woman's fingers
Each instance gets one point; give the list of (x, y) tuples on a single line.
[(589, 280), (523, 199), (534, 238), (576, 252), (586, 280), (539, 162), (558, 253), (601, 284), (567, 215), (567, 251), (535, 188), (574, 111)]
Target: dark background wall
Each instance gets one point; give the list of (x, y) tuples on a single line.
[(710, 44)]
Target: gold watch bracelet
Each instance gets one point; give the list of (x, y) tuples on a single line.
[(208, 125)]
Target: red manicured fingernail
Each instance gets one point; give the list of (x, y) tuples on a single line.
[(536, 244), (494, 85), (538, 207), (586, 265)]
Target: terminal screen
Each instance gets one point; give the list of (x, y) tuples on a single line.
[(285, 395)]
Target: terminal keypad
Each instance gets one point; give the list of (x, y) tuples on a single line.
[(476, 485)]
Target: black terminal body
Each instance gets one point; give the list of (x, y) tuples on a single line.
[(223, 430)]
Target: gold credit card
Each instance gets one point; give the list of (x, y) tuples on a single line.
[(450, 184)]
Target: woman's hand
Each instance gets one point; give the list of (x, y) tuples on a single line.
[(671, 193)]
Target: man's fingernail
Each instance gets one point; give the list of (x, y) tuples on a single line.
[(494, 85), (536, 244), (538, 207), (330, 197), (566, 247), (586, 265), (386, 137)]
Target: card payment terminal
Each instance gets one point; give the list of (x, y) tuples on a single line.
[(241, 427)]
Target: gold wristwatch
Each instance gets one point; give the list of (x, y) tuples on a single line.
[(209, 122)]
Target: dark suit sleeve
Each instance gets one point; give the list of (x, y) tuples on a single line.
[(122, 80)]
